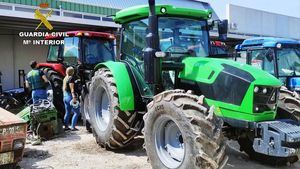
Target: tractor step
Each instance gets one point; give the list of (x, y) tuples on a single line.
[(278, 138)]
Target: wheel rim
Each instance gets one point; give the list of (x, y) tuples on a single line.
[(102, 109), (169, 143), (85, 107)]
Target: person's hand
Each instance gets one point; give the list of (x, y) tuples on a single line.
[(74, 100)]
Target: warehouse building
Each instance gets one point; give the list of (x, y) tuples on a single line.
[(18, 16)]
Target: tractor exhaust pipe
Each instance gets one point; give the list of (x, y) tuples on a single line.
[(152, 63)]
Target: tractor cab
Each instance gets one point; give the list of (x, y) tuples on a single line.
[(82, 47), (279, 57)]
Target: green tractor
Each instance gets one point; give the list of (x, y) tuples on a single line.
[(181, 99)]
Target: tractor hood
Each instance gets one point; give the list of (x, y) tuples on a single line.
[(206, 70), (232, 86)]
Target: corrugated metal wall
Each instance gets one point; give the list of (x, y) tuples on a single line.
[(72, 6)]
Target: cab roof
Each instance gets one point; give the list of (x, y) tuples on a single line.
[(85, 33), (263, 42), (142, 11)]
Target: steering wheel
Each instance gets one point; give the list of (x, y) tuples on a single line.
[(176, 49), (90, 57)]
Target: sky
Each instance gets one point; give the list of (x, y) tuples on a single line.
[(292, 8)]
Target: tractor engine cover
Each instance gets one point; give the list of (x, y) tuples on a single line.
[(278, 138)]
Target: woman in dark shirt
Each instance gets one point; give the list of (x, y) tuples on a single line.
[(70, 99)]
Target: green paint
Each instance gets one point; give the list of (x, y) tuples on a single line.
[(199, 68), (25, 114), (122, 79), (139, 12)]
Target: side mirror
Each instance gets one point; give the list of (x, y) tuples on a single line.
[(223, 29)]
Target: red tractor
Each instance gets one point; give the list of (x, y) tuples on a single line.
[(82, 50)]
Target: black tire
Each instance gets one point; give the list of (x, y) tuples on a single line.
[(56, 81), (122, 126), (288, 105), (246, 145), (200, 132), (9, 166), (84, 107)]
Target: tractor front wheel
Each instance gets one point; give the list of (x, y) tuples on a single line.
[(84, 109), (288, 105), (181, 133), (112, 127)]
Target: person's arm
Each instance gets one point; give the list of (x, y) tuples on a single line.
[(27, 84), (45, 79), (72, 86)]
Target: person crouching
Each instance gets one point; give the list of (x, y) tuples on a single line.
[(70, 100)]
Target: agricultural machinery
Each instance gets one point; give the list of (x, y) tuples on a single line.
[(281, 58), (12, 139), (182, 97), (82, 50)]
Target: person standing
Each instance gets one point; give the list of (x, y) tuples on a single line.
[(70, 100), (37, 81)]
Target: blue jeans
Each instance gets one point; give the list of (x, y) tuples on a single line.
[(38, 94), (69, 109)]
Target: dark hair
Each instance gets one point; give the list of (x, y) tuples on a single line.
[(33, 64)]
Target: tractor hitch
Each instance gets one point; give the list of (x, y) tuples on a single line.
[(278, 138)]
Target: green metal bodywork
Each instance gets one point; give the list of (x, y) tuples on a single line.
[(123, 82), (139, 12), (199, 69)]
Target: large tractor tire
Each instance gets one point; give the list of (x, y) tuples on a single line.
[(112, 128), (288, 105), (181, 133), (84, 110), (246, 145), (56, 81)]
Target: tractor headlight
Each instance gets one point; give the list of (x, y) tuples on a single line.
[(265, 90), (264, 99), (256, 89)]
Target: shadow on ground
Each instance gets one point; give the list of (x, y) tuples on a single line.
[(33, 156)]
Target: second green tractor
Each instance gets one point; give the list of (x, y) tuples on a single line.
[(165, 84)]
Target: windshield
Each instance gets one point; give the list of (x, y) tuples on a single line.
[(288, 61), (97, 50), (177, 35), (260, 60), (71, 53)]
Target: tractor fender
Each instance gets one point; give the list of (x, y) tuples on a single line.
[(54, 66), (123, 82)]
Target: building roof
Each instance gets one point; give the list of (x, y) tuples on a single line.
[(85, 33), (265, 42), (138, 12)]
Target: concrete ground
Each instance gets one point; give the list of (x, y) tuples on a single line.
[(78, 150)]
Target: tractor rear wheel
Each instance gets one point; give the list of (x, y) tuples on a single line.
[(246, 145), (56, 81), (84, 108), (112, 127), (181, 133), (288, 105)]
